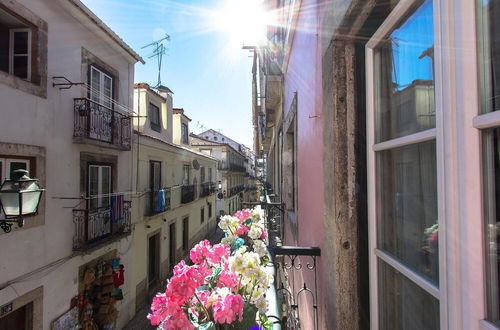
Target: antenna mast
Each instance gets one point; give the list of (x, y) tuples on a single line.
[(159, 49)]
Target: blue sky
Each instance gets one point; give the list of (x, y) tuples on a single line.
[(209, 73)]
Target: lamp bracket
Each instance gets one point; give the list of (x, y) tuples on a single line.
[(6, 225)]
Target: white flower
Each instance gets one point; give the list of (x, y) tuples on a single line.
[(262, 304), (255, 231), (259, 247), (229, 239)]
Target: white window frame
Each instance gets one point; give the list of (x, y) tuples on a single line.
[(398, 14), (11, 50), (100, 197), (101, 97), (459, 125)]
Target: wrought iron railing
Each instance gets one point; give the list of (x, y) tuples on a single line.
[(292, 296), (159, 201), (98, 122), (187, 193), (206, 189), (93, 226), (228, 166), (234, 190)]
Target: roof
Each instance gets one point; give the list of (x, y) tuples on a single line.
[(181, 112), (176, 146), (149, 89), (97, 21), (213, 143), (162, 88)]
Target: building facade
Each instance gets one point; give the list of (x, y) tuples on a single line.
[(376, 121), (66, 83), (174, 204), (231, 169)]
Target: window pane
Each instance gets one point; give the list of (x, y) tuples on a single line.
[(21, 43), (108, 92), (489, 53), (106, 186), (407, 206), (21, 66), (17, 166), (492, 198), (405, 77), (93, 186), (403, 304), (95, 85)]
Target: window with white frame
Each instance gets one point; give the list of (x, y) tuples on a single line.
[(154, 117), (184, 133), (16, 48), (101, 87), (489, 122), (185, 174), (99, 185), (402, 158)]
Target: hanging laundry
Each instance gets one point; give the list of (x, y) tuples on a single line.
[(119, 277), (160, 201), (117, 207)]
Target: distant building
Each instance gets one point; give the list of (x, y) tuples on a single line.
[(175, 202), (232, 168)]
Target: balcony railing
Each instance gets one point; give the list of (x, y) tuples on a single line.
[(98, 122), (94, 226), (227, 166), (207, 188), (234, 190), (159, 201), (187, 193)]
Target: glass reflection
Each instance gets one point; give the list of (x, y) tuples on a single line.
[(405, 77), (407, 214)]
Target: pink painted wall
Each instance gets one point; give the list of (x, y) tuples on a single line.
[(303, 76)]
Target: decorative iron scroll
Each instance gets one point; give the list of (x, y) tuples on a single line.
[(287, 260)]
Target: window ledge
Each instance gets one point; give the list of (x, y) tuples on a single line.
[(24, 85)]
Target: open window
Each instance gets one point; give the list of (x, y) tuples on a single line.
[(16, 45)]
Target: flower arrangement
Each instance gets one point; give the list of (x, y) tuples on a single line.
[(224, 287)]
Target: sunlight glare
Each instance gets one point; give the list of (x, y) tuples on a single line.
[(245, 21)]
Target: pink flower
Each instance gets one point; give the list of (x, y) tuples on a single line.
[(263, 235), (433, 238), (161, 307), (228, 279), (180, 268), (178, 321), (242, 230), (200, 252), (242, 215), (218, 253), (181, 287), (228, 309)]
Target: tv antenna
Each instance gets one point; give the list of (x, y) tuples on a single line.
[(159, 49)]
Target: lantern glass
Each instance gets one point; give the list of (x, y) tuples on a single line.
[(30, 199), (9, 196)]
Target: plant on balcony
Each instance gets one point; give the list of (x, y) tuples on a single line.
[(224, 287)]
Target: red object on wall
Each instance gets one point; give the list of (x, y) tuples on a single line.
[(119, 277)]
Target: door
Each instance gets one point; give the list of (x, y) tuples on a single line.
[(101, 114), (153, 260), (172, 246), (20, 319), (185, 234), (402, 171)]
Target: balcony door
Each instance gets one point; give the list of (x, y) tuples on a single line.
[(402, 171), (101, 95), (99, 186)]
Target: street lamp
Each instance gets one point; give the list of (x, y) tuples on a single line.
[(220, 185), (20, 197)]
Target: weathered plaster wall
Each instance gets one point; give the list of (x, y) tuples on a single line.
[(48, 122)]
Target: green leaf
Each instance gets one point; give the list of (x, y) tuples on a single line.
[(249, 314), (207, 326)]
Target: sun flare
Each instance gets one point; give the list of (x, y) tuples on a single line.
[(245, 21)]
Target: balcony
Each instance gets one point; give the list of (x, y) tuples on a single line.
[(234, 190), (207, 189), (159, 201), (187, 193), (226, 166), (101, 125), (95, 226)]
